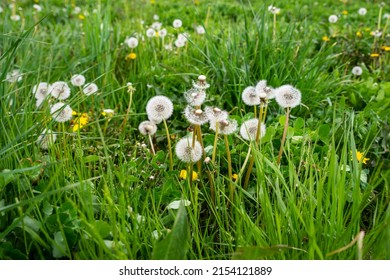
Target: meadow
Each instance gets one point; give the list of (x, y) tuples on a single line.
[(194, 129)]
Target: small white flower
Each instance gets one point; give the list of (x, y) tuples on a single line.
[(14, 76), (147, 128), (150, 33), (77, 80), (90, 88), (15, 17), (132, 42), (177, 23), (46, 139), (357, 70), (41, 90), (200, 30), (37, 8), (162, 33), (186, 152), (61, 112), (159, 108), (176, 204), (59, 90), (362, 11), (156, 17), (248, 129), (333, 19), (288, 96), (156, 25)]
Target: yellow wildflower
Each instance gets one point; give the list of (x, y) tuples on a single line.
[(81, 16), (196, 2), (325, 38), (131, 56), (374, 55), (74, 113), (385, 48), (234, 177), (183, 175), (344, 12), (360, 157), (152, 1), (80, 122), (359, 34)]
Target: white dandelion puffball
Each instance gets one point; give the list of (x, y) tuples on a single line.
[(61, 112), (156, 17), (15, 17), (180, 43), (59, 90), (182, 37), (195, 97), (195, 116), (156, 25), (333, 19), (274, 10), (90, 88), (265, 91), (248, 129), (201, 84), (200, 30), (162, 33), (1, 9), (159, 108), (215, 114), (250, 96), (41, 90), (39, 102), (357, 70), (147, 128), (386, 16), (132, 42), (177, 23), (46, 139), (37, 8), (14, 76), (186, 152), (362, 11), (150, 33), (225, 127), (376, 33), (288, 96), (77, 80)]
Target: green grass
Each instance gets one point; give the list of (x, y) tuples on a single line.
[(98, 193)]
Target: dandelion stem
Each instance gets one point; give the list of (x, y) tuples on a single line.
[(151, 144), (274, 30), (284, 135), (199, 137), (130, 90), (230, 173), (169, 146), (215, 143)]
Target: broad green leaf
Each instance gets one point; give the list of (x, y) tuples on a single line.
[(103, 228), (299, 123), (323, 132)]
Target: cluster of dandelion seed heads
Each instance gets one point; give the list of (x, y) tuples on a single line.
[(195, 116), (147, 128), (61, 112), (188, 153), (225, 126), (59, 90), (248, 129), (159, 108), (288, 96), (46, 139)]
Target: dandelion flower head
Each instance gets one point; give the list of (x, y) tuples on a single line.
[(250, 96), (46, 139), (150, 33), (288, 96), (195, 97), (90, 88), (274, 10), (177, 23), (14, 76), (333, 19), (77, 80), (225, 127), (59, 90), (61, 112), (214, 114), (159, 108), (200, 30), (264, 91), (362, 11), (195, 116), (162, 33), (248, 129), (41, 90), (147, 128), (357, 70), (132, 42), (186, 152), (201, 83)]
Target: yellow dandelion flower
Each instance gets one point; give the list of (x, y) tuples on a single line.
[(196, 2), (183, 175), (374, 55), (131, 56), (344, 12), (173, 136), (76, 127), (359, 34), (360, 157), (81, 16), (234, 177), (385, 48), (325, 38), (367, 29), (152, 1), (74, 113)]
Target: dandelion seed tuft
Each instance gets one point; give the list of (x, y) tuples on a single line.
[(195, 116), (188, 153), (362, 11), (59, 90), (90, 89), (357, 70), (147, 128), (288, 96), (61, 112), (159, 108), (46, 139), (41, 90), (333, 19), (77, 80), (250, 96), (215, 114), (225, 127), (177, 23), (248, 129)]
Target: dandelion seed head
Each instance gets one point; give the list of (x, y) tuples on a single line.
[(77, 80), (39, 102), (14, 76), (41, 90), (180, 43), (132, 42), (150, 33), (225, 126), (15, 17), (265, 91), (37, 8), (46, 139), (248, 129), (215, 114), (186, 152), (59, 90), (61, 112), (201, 84), (250, 96), (162, 33), (195, 116), (159, 108), (357, 70), (288, 96), (200, 30), (195, 97), (156, 25), (147, 128), (362, 11), (333, 19), (90, 88), (177, 23)]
